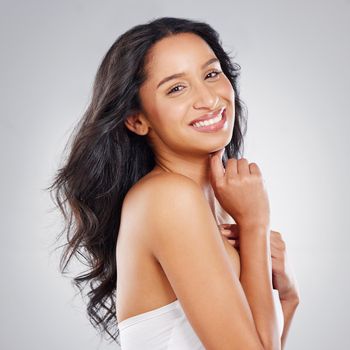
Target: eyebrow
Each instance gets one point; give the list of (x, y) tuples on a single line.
[(177, 75)]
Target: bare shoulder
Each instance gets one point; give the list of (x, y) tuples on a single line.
[(160, 180), (182, 235), (148, 199), (151, 190), (157, 196)]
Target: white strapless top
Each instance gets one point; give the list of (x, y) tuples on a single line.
[(167, 328)]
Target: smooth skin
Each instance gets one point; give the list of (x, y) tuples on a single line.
[(283, 278), (185, 239), (168, 109), (241, 192), (227, 309)]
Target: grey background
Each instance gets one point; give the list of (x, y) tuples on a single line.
[(295, 80)]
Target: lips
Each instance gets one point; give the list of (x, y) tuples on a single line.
[(207, 116)]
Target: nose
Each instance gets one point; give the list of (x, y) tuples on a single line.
[(205, 97)]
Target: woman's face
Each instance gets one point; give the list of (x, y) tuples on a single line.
[(170, 104)]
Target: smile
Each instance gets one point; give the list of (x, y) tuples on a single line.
[(211, 125), (209, 121)]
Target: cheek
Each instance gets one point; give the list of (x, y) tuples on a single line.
[(226, 90), (172, 112)]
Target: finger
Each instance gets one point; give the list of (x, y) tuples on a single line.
[(278, 254), (230, 234), (234, 243), (277, 241), (224, 225), (219, 153), (254, 169), (231, 229), (234, 227), (278, 244), (274, 247), (225, 232), (217, 170), (275, 235), (231, 166), (242, 166)]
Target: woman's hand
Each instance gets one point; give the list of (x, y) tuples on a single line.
[(240, 189), (283, 278)]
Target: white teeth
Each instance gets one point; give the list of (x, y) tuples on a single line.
[(208, 122)]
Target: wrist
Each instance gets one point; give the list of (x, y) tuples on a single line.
[(290, 298), (255, 228)]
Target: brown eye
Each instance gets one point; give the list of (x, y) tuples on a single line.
[(173, 89), (217, 72)]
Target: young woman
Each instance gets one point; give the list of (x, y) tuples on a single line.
[(174, 226)]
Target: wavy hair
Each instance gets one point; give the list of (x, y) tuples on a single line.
[(105, 159)]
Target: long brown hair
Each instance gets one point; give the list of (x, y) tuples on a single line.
[(105, 160)]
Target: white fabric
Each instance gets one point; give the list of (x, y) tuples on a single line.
[(167, 328)]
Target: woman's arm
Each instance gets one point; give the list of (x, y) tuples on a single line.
[(284, 280), (256, 281), (289, 305), (259, 247), (184, 238), (288, 309)]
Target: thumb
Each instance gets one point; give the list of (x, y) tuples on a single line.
[(217, 170)]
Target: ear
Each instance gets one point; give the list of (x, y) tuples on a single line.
[(137, 123)]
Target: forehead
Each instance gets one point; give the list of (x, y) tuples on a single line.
[(177, 53)]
